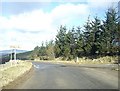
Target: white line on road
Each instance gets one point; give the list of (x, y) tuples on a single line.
[(37, 66)]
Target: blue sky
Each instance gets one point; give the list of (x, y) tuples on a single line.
[(29, 23)]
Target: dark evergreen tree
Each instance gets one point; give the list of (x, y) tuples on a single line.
[(111, 28)]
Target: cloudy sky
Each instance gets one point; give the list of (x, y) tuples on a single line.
[(27, 23)]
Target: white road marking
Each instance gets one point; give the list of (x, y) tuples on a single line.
[(37, 66)]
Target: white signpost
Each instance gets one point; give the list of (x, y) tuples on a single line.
[(13, 50)]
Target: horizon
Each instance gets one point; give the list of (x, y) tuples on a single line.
[(28, 24)]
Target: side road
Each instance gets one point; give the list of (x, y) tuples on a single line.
[(101, 66)]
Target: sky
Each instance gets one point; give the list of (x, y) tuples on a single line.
[(28, 23)]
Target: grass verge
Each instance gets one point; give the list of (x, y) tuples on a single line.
[(12, 73)]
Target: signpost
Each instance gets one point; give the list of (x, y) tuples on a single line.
[(13, 51)]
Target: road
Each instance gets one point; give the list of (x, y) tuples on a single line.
[(61, 76)]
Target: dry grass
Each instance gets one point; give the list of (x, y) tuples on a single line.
[(12, 72), (85, 60), (100, 60)]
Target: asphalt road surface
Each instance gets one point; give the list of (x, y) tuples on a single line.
[(60, 76)]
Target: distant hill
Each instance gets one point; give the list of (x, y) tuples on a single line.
[(21, 54), (24, 56), (9, 51)]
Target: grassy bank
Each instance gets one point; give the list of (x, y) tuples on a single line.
[(13, 72), (98, 60), (87, 60)]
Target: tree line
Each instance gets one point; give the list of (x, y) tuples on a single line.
[(44, 52), (96, 37)]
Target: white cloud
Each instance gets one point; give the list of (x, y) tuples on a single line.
[(99, 7), (67, 13), (31, 28), (102, 3), (31, 21), (66, 10)]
